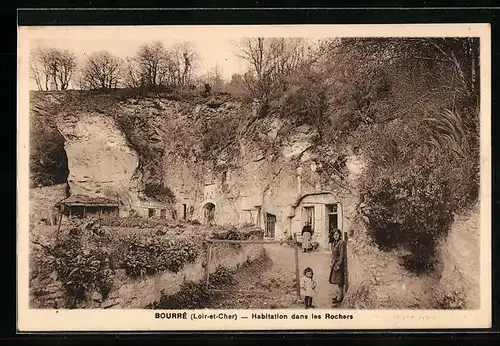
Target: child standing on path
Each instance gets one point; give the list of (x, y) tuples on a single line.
[(308, 287)]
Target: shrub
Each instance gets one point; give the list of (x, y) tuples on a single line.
[(230, 232), (192, 295), (221, 278), (83, 263), (409, 207), (147, 255)]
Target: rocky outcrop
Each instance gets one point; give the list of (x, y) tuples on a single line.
[(99, 159), (459, 286)]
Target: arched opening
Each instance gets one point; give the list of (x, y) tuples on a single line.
[(209, 213)]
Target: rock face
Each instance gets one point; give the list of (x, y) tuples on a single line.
[(42, 201), (99, 160), (459, 284), (268, 186)]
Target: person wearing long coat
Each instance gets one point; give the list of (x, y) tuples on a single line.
[(306, 237), (337, 265)]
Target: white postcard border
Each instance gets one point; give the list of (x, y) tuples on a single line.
[(31, 320)]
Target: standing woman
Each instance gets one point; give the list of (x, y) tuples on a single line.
[(306, 237), (337, 265)]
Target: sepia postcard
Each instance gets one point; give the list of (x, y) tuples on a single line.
[(278, 177)]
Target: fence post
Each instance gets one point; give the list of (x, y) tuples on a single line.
[(209, 259), (60, 222), (297, 273)]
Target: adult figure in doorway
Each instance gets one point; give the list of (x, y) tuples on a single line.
[(306, 237), (337, 266)]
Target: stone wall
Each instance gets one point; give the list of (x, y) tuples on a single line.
[(48, 292)]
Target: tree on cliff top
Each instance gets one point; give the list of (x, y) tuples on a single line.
[(52, 68), (154, 66), (271, 61), (101, 70)]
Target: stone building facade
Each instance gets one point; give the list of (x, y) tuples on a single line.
[(278, 196)]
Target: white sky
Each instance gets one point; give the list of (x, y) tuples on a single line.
[(214, 44), (215, 52), (212, 53)]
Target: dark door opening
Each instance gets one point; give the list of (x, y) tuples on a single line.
[(163, 213), (151, 213), (184, 212), (270, 225), (209, 213), (333, 222), (333, 218)]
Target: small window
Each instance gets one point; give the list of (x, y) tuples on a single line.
[(174, 214), (163, 213), (151, 212), (224, 177), (332, 208), (184, 211)]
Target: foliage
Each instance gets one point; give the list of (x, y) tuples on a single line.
[(221, 278), (48, 159), (304, 102), (147, 255), (412, 208), (83, 263), (159, 192), (192, 295), (408, 107), (154, 66), (270, 62), (232, 233), (455, 300), (137, 222)]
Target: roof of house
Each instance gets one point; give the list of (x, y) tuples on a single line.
[(82, 200)]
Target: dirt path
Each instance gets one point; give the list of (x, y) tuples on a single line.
[(274, 276), (319, 261)]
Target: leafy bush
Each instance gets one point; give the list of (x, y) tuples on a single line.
[(411, 207), (192, 295), (232, 233), (147, 255), (83, 263), (221, 278)]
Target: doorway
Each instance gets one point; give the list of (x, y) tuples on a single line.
[(270, 225), (209, 213), (333, 217)]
